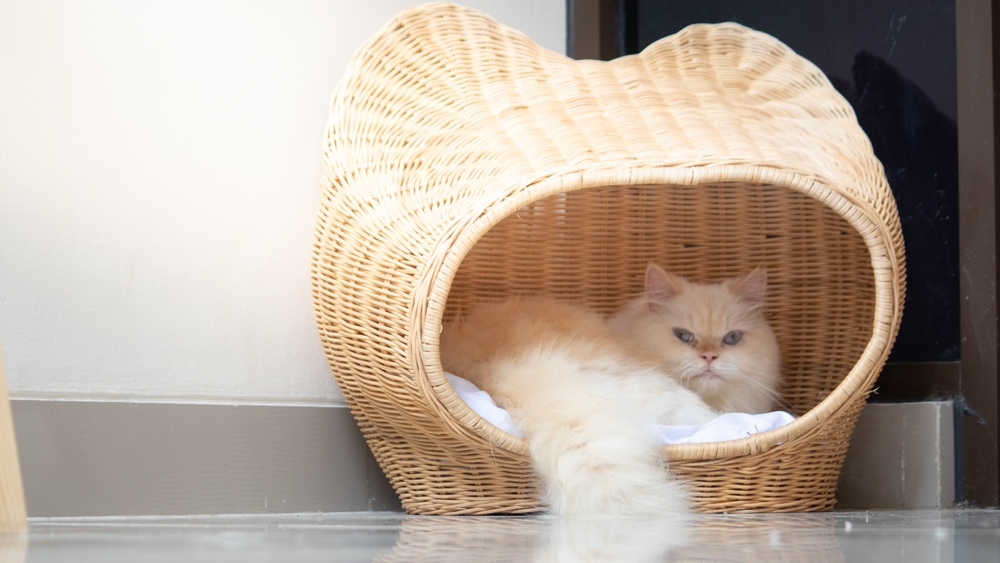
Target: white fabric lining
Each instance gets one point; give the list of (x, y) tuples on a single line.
[(729, 426)]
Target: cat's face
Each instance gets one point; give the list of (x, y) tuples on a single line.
[(713, 338)]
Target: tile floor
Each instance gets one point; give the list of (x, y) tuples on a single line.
[(879, 536)]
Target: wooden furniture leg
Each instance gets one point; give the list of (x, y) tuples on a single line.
[(13, 514)]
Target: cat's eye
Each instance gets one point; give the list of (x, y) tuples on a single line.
[(684, 335), (732, 337)]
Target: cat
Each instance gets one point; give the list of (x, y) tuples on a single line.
[(712, 338), (585, 390)]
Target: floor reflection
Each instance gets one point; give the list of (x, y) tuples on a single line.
[(879, 536), (934, 536), (763, 537), (751, 538), (13, 548), (620, 540)]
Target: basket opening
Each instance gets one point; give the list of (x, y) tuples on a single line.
[(592, 245)]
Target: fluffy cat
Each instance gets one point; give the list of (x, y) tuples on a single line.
[(712, 338), (585, 390)]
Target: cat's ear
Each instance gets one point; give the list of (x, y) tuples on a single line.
[(751, 288), (660, 285)]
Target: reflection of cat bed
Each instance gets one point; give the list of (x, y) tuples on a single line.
[(730, 426), (465, 164)]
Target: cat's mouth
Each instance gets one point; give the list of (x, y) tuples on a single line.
[(707, 375)]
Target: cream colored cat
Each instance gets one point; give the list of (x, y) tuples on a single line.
[(710, 337), (585, 390)]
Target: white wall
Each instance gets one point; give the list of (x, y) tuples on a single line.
[(159, 176)]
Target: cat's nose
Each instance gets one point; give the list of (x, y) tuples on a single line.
[(709, 356)]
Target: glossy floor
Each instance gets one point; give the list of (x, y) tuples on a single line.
[(882, 537)]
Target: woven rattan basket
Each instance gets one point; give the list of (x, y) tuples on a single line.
[(464, 163)]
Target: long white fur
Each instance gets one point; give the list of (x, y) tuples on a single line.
[(588, 428), (585, 391)]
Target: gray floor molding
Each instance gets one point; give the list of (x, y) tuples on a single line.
[(902, 455), (105, 458), (91, 458)]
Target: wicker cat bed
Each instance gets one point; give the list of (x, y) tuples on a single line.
[(464, 163)]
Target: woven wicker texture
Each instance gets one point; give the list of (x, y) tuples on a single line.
[(465, 163)]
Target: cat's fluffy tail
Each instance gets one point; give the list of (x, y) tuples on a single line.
[(594, 451)]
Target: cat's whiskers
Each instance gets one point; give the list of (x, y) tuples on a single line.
[(773, 393), (691, 371)]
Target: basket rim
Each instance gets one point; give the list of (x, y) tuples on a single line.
[(434, 285)]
